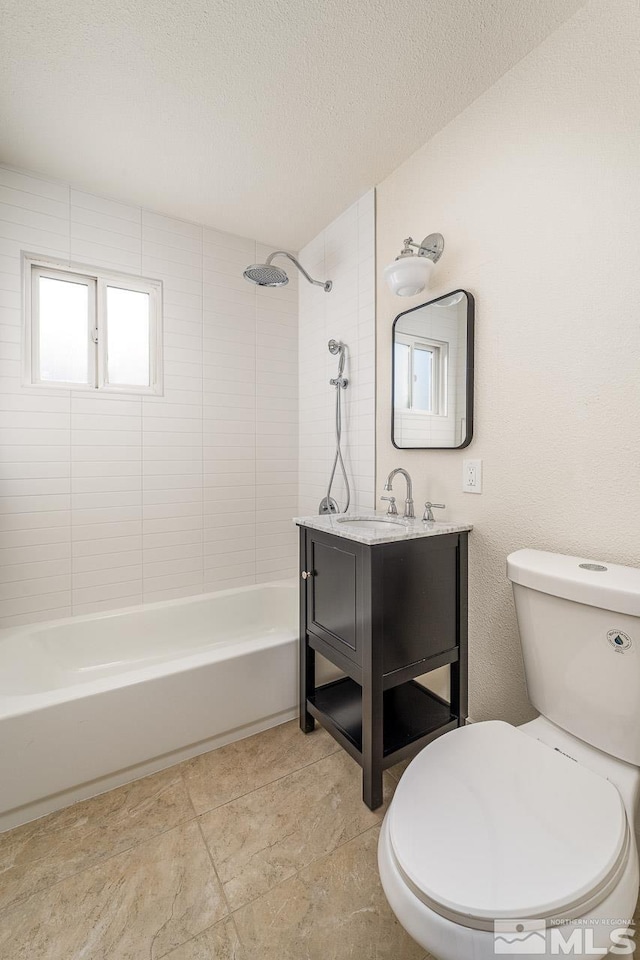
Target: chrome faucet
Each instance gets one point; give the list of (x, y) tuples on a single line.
[(408, 504), (393, 510), (429, 508)]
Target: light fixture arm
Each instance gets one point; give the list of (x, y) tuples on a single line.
[(326, 285), (431, 247)]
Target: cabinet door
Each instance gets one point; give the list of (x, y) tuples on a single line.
[(417, 582), (332, 591)]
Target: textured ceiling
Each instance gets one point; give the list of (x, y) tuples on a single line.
[(262, 118)]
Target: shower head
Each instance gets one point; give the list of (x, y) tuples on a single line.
[(337, 348), (266, 275)]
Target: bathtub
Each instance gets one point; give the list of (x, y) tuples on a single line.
[(88, 703)]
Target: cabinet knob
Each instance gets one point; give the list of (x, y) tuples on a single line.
[(306, 574)]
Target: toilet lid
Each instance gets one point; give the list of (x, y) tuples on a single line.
[(488, 823)]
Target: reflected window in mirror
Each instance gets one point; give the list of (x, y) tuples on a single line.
[(421, 375), (433, 374)]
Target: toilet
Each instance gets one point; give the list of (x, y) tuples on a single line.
[(520, 841)]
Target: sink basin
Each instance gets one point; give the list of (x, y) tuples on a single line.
[(365, 523)]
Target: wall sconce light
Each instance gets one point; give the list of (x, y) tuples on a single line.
[(409, 273)]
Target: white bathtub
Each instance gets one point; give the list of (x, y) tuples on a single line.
[(88, 703)]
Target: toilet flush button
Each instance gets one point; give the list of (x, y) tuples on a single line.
[(619, 640)]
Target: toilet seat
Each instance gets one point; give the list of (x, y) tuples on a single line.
[(488, 823)]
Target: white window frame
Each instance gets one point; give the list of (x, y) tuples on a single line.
[(440, 350), (97, 279)]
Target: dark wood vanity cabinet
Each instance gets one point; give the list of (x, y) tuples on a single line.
[(384, 614)]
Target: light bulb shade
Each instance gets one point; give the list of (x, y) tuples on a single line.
[(408, 276)]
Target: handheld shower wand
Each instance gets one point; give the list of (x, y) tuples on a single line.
[(328, 504)]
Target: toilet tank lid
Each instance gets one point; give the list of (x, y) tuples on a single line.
[(596, 583)]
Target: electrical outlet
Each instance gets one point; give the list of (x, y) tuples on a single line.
[(472, 476)]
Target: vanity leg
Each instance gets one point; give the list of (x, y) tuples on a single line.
[(460, 669), (372, 742), (370, 625), (372, 785), (307, 675), (307, 682)]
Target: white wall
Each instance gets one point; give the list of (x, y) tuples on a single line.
[(536, 189), (345, 253), (114, 500)]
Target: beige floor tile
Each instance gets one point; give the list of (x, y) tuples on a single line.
[(139, 904), (40, 853), (266, 836), (219, 942), (231, 771), (334, 909), (398, 769)]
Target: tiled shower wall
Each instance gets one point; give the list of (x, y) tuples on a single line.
[(114, 500), (345, 253)]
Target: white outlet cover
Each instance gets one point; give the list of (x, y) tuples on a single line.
[(472, 476)]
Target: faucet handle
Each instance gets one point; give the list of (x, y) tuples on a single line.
[(393, 510), (430, 507)]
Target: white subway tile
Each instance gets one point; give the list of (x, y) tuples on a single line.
[(104, 531), (153, 585), (98, 578), (39, 572), (99, 254), (111, 454), (35, 604), (103, 563), (177, 538), (172, 524), (15, 437), (112, 603), (183, 228), (173, 593), (223, 548), (50, 224), (101, 205), (163, 511), (229, 562), (103, 548), (34, 504), (123, 590), (105, 437), (105, 239), (184, 551)]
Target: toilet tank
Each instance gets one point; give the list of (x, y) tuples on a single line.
[(579, 623)]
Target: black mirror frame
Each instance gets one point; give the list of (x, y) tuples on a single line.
[(470, 366)]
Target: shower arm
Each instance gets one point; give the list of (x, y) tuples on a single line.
[(318, 283)]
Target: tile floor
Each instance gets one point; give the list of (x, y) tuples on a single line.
[(261, 850)]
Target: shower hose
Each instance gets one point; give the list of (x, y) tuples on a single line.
[(338, 457)]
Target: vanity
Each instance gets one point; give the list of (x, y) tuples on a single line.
[(385, 600)]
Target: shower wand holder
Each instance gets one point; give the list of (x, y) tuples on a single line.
[(339, 382)]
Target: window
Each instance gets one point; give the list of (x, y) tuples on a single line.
[(420, 374), (91, 329)]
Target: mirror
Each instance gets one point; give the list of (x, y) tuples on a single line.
[(432, 384)]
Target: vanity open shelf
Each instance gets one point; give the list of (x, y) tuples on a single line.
[(413, 716), (385, 607)]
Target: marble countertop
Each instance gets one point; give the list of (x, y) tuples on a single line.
[(381, 531)]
